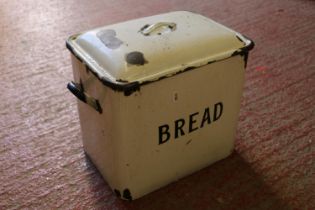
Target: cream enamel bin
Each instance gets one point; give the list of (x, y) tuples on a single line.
[(159, 97)]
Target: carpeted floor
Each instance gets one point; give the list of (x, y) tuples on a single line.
[(42, 163)]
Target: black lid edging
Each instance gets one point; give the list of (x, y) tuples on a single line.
[(245, 49), (129, 88)]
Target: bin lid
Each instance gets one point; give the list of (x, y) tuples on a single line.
[(126, 55)]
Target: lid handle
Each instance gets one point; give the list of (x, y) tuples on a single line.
[(77, 90), (158, 28)]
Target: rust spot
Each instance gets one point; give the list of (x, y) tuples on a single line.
[(127, 194), (135, 58), (108, 37)]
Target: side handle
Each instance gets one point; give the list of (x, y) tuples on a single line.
[(77, 90)]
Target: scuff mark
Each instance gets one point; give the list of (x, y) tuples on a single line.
[(109, 39), (189, 141), (135, 58)]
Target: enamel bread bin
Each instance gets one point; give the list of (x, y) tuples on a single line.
[(159, 97)]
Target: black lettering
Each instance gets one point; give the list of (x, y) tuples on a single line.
[(192, 121), (164, 131), (217, 114), (206, 117), (179, 124)]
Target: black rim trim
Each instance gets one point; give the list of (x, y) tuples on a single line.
[(131, 87)]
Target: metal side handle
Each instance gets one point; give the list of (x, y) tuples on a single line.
[(77, 90)]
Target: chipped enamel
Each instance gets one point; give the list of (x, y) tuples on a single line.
[(191, 40)]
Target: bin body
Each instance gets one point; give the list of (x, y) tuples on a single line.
[(152, 114)]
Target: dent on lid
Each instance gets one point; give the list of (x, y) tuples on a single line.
[(149, 48)]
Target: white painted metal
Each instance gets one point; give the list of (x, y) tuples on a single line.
[(195, 41), (133, 142)]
